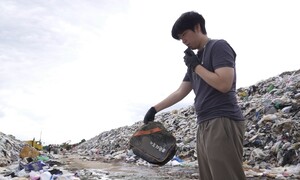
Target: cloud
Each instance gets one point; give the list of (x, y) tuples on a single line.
[(72, 69)]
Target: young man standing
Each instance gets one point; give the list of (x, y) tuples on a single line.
[(211, 75)]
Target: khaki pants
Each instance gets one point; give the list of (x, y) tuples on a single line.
[(220, 149)]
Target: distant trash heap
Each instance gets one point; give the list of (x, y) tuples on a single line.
[(29, 164), (272, 136)]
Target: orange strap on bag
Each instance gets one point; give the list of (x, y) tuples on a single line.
[(150, 131)]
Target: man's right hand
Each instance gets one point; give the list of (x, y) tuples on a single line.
[(191, 60), (150, 115)]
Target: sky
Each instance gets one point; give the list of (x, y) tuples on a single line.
[(71, 69)]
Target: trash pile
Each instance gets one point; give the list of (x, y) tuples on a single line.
[(10, 148), (28, 163), (272, 137), (271, 144)]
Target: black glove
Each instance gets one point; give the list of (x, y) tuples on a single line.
[(190, 59), (150, 115)]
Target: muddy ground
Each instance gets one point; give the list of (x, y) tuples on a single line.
[(121, 170)]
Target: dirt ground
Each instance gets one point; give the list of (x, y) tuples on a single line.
[(122, 170)]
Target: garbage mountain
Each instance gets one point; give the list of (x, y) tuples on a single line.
[(272, 137)]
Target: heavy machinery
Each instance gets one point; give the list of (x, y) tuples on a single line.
[(36, 144)]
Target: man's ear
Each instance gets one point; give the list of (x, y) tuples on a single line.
[(197, 28)]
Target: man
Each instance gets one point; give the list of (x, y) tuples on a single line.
[(211, 75)]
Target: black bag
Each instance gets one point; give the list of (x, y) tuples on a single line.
[(153, 143)]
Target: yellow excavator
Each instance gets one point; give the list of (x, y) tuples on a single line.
[(36, 144)]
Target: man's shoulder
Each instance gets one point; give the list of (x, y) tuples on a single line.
[(219, 41), (221, 45), (212, 42)]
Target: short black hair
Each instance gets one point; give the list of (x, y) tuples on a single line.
[(188, 20)]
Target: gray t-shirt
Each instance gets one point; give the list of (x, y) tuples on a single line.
[(209, 102)]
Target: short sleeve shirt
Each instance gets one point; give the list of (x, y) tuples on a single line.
[(209, 102)]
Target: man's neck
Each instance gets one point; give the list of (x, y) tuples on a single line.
[(204, 42)]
